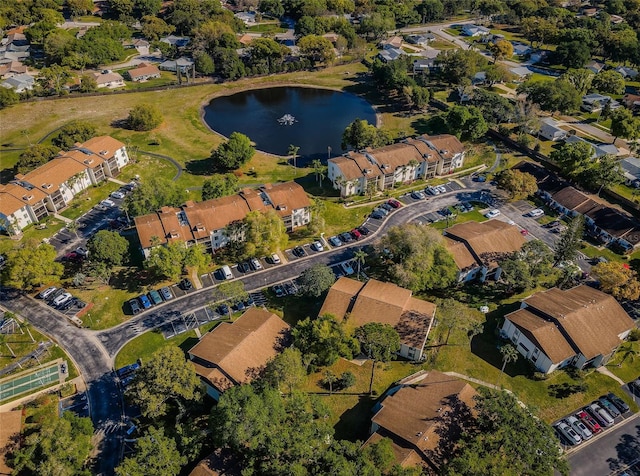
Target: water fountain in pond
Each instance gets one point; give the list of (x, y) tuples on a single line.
[(287, 120)]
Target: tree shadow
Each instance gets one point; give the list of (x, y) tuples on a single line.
[(201, 167), (565, 390), (354, 423), (121, 123), (432, 125), (8, 174)]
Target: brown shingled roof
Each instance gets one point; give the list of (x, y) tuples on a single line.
[(8, 203), (570, 197), (235, 353), (394, 156), (286, 197), (544, 334), (461, 255), (104, 146), (348, 167), (487, 239), (30, 197), (50, 176), (591, 319), (447, 145), (339, 298), (143, 69)]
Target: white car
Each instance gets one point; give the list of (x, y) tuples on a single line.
[(569, 433), (441, 188), (492, 213), (82, 251), (108, 203), (255, 263), (275, 259), (579, 427), (61, 299), (536, 212), (317, 246), (117, 194), (47, 292)]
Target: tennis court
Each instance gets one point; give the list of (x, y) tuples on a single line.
[(26, 382)]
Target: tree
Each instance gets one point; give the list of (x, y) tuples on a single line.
[(420, 97), (569, 242), (509, 354), (196, 258), (293, 151), (418, 259), (572, 54), (231, 292), (35, 156), (167, 260), (319, 170), (74, 131), (623, 124), (204, 63), (608, 81), (555, 95), (328, 379), (452, 314), (31, 266), (519, 184), (617, 279), (98, 270), (155, 453), (52, 79), (229, 65), (265, 233), (474, 329), (359, 257), (88, 84), (529, 267), (580, 79), (165, 376), (153, 194), (108, 247), (501, 49), (538, 30), (379, 342), (316, 49), (272, 8), (574, 158), (459, 65), (233, 153), (315, 280), (79, 7), (8, 97), (267, 55), (376, 25), (466, 122), (60, 446), (154, 28), (505, 439), (496, 73), (430, 10), (325, 339), (144, 117), (220, 185), (360, 135), (606, 171), (494, 108), (286, 370)]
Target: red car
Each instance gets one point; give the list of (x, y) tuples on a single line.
[(356, 234), (589, 422), (394, 203)]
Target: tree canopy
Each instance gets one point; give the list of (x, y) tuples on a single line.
[(557, 95), (466, 122), (529, 267), (35, 156), (75, 131), (154, 453), (234, 152), (108, 247), (32, 265), (569, 243), (618, 279), (360, 135), (378, 341), (323, 340), (220, 185), (418, 258), (265, 233), (144, 117), (519, 184), (315, 280), (153, 194)]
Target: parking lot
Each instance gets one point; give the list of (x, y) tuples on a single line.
[(77, 404), (63, 301)]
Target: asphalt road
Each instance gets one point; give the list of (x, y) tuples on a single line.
[(610, 454)]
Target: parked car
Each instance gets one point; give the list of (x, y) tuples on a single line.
[(335, 241), (299, 251), (64, 297), (81, 250), (387, 207), (290, 289), (185, 284), (492, 213), (51, 297), (552, 224), (600, 414), (275, 259), (244, 267), (432, 190), (222, 309), (364, 230), (394, 203), (635, 386), (417, 195), (356, 234), (118, 195), (569, 433), (346, 237), (441, 188), (155, 297), (239, 306), (134, 305), (589, 422), (381, 210), (316, 245), (278, 290), (73, 256), (144, 300), (609, 407), (165, 292), (347, 268), (536, 212), (618, 402), (108, 203), (65, 306), (579, 427), (249, 301), (377, 215), (255, 264), (47, 292)]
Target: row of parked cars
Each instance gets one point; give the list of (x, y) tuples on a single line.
[(152, 298), (592, 419), (384, 209), (60, 299)]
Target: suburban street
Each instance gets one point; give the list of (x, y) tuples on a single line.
[(612, 454)]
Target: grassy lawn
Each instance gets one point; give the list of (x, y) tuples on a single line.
[(339, 219), (473, 215), (625, 364), (271, 27), (593, 252), (83, 202), (8, 160), (166, 78), (293, 308), (53, 225)]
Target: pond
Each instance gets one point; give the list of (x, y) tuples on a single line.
[(274, 118)]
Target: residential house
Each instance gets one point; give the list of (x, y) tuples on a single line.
[(19, 82), (359, 303), (594, 102), (236, 353), (598, 149), (421, 40), (627, 72), (389, 53), (588, 11), (605, 224), (550, 129), (393, 42), (579, 327), (520, 72), (13, 68), (10, 438), (539, 56), (246, 39), (144, 72), (520, 49), (475, 30), (632, 101), (222, 462), (51, 187), (109, 80), (177, 41), (631, 168), (477, 247), (248, 18), (208, 222), (423, 157), (184, 64), (423, 415), (595, 66)]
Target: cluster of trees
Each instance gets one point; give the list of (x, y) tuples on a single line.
[(31, 265), (466, 122), (220, 185), (152, 195), (75, 131), (360, 135), (577, 162), (392, 78), (617, 279), (518, 184), (233, 153), (170, 261), (34, 156), (530, 267)]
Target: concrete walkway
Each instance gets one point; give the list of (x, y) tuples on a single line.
[(605, 371), (119, 182), (63, 219)]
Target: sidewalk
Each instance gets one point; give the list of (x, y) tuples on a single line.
[(605, 371)]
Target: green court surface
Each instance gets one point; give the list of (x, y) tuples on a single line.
[(27, 382)]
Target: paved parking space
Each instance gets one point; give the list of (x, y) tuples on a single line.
[(187, 321), (77, 404)]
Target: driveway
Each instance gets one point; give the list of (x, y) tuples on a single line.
[(614, 452)]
